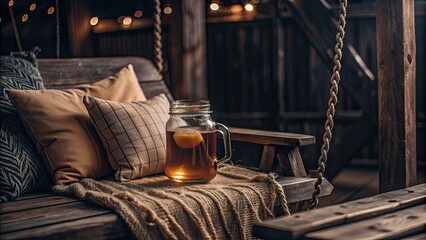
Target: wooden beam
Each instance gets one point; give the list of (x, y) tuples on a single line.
[(79, 28), (188, 49), (396, 61)]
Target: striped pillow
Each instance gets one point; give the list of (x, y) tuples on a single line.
[(133, 134)]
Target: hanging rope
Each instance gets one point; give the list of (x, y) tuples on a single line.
[(58, 33), (329, 124), (158, 46), (15, 29)]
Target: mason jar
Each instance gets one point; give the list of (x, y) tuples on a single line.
[(192, 142)]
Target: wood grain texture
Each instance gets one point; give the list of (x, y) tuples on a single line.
[(298, 189), (106, 226), (297, 225), (390, 226), (67, 73), (34, 195), (267, 159), (17, 206), (396, 60), (43, 211), (188, 49), (270, 137), (291, 162), (52, 216)]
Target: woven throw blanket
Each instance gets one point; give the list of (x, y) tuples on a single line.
[(157, 208)]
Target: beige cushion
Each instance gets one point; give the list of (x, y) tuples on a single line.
[(60, 126), (134, 134)]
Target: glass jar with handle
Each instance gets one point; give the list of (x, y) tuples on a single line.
[(192, 142)]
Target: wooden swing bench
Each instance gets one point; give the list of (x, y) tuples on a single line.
[(46, 215)]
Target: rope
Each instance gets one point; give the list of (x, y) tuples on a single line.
[(158, 46), (15, 29), (58, 34), (334, 89)]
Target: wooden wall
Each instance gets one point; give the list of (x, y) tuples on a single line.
[(244, 92)]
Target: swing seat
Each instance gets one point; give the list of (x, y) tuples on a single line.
[(46, 215)]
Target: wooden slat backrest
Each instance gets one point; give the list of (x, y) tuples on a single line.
[(67, 73)]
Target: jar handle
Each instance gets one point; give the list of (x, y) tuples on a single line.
[(222, 129)]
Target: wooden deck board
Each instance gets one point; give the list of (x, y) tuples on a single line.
[(301, 223), (105, 226), (28, 204), (390, 226)]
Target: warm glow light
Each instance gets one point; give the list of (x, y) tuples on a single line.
[(94, 21), (51, 10), (33, 7), (214, 6), (11, 2), (167, 10), (178, 175), (138, 14), (24, 17), (127, 21), (255, 1), (236, 8), (248, 7)]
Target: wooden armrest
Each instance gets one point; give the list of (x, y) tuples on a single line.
[(270, 137)]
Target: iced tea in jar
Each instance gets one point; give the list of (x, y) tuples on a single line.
[(192, 141)]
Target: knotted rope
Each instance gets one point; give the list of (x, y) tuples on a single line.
[(158, 46), (329, 124)]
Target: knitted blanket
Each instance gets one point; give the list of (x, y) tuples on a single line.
[(155, 207)]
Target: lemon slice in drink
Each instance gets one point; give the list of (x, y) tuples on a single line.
[(187, 138)]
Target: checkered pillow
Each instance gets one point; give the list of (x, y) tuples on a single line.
[(133, 134)]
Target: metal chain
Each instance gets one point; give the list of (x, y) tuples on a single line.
[(334, 89), (15, 29), (58, 33), (158, 46)]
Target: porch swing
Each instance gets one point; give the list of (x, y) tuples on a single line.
[(279, 148)]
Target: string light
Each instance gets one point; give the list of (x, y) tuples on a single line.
[(24, 17), (236, 8), (127, 21), (138, 14), (214, 6), (10, 3), (248, 7), (51, 10), (94, 21), (167, 10), (33, 6)]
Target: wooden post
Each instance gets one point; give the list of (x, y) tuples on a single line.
[(79, 28), (396, 61), (188, 49)]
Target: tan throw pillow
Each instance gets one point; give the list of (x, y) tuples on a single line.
[(133, 134), (60, 126)]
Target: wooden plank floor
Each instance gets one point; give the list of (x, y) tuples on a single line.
[(359, 180), (45, 215)]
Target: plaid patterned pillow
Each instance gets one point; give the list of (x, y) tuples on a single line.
[(133, 134)]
